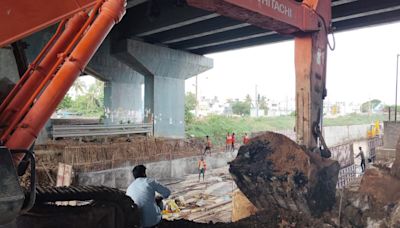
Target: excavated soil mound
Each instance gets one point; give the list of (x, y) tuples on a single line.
[(275, 172)]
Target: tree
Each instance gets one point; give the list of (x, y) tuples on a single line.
[(92, 102), (241, 107), (190, 101), (66, 103), (248, 99), (263, 104), (79, 86), (190, 105)]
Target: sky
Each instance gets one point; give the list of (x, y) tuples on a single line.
[(362, 67)]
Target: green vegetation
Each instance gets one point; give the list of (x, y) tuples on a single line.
[(354, 119), (241, 108), (88, 103), (190, 105), (217, 126)]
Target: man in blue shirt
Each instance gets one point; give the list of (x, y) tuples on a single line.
[(143, 192)]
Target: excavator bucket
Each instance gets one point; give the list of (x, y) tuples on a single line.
[(11, 195)]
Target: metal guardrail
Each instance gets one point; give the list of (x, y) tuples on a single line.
[(374, 143), (71, 131)]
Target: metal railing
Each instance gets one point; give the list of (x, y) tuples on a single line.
[(346, 176), (73, 131)]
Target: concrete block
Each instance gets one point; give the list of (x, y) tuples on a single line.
[(109, 179), (123, 178), (385, 154)]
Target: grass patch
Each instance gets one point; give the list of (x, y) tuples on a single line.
[(217, 126)]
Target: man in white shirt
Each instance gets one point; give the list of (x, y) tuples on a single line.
[(143, 192)]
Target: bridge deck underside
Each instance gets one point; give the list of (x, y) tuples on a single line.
[(173, 24)]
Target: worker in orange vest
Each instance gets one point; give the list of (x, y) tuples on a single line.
[(202, 167), (208, 145), (246, 139), (228, 142)]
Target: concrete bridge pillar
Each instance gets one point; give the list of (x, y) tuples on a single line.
[(165, 71), (123, 87)]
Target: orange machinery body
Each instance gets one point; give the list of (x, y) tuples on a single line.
[(32, 101), (309, 22), (86, 23), (83, 27)]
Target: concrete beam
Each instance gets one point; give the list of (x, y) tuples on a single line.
[(137, 22), (362, 8), (196, 29), (207, 33), (160, 61), (132, 3), (178, 25), (244, 33)]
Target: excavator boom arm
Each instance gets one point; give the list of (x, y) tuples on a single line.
[(309, 22), (19, 19)]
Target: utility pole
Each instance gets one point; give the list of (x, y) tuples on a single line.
[(397, 76), (256, 101), (197, 100)]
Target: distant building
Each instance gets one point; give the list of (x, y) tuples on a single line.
[(255, 113), (208, 106), (281, 108)]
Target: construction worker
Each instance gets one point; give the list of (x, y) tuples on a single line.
[(202, 167), (233, 141), (228, 142), (362, 156), (143, 192), (208, 145), (246, 139)]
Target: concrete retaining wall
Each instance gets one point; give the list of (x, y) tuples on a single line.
[(163, 170), (391, 134), (337, 135)]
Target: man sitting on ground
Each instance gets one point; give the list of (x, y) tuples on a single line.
[(143, 192)]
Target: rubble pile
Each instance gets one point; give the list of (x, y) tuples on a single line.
[(373, 203)]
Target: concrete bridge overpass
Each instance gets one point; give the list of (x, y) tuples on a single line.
[(160, 43), (176, 25)]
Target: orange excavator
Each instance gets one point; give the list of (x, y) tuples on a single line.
[(83, 25)]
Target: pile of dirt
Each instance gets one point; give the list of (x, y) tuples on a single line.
[(374, 203), (275, 172)]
